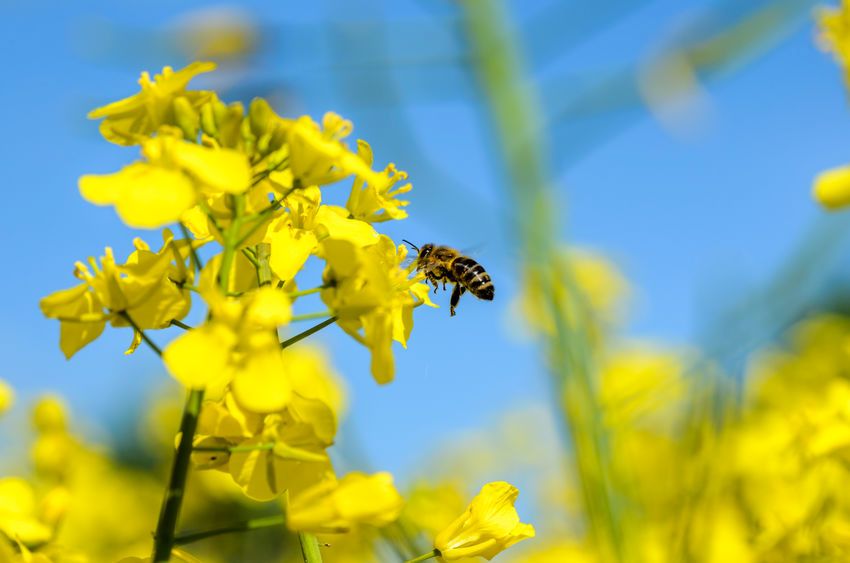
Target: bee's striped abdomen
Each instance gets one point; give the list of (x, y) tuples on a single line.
[(473, 277)]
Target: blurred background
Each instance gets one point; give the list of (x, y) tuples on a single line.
[(678, 139)]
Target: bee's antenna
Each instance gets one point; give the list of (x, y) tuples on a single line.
[(416, 248)]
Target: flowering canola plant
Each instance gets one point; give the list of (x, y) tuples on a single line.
[(244, 189)]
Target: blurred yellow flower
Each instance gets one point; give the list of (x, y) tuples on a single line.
[(7, 396), (832, 188), (132, 119), (336, 506), (489, 526)]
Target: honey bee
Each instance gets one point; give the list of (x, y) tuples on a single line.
[(442, 264)]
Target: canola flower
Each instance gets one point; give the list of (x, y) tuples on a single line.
[(244, 187), (832, 187)]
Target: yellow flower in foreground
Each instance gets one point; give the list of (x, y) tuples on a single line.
[(832, 188), (489, 525), (336, 506), (158, 192), (369, 290), (318, 156), (147, 288), (134, 118), (376, 204)]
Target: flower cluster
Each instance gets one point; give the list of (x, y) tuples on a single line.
[(245, 187)]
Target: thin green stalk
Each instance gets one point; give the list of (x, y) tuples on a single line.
[(251, 258), (145, 337), (196, 261), (234, 449), (164, 537), (309, 548), (253, 524), (181, 324), (424, 557), (310, 316), (264, 271), (303, 292), (312, 330)]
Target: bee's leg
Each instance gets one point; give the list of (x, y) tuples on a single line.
[(456, 293), (444, 285)]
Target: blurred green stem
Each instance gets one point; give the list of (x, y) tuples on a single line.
[(515, 111), (253, 524), (424, 557), (309, 548)]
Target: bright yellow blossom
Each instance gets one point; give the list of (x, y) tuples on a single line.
[(147, 288), (239, 344), (278, 451), (369, 290), (318, 156), (377, 203), (295, 235), (132, 119), (159, 191), (336, 506), (489, 525)]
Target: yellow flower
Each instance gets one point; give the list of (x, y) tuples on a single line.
[(318, 156), (832, 188), (19, 518), (239, 344), (433, 507), (377, 203), (489, 525), (295, 235), (148, 288), (274, 452), (132, 119), (834, 24), (158, 192), (7, 396), (336, 506), (369, 290)]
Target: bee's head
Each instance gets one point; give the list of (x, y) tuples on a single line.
[(425, 251)]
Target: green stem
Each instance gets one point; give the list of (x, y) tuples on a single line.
[(247, 254), (424, 556), (254, 524), (264, 271), (310, 316), (312, 330), (147, 340), (232, 449), (196, 262), (309, 548), (164, 537), (180, 324), (303, 292)]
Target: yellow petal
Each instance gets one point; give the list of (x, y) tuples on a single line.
[(261, 383), (290, 249), (200, 357), (220, 170), (145, 196)]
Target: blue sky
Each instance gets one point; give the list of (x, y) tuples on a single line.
[(693, 221)]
